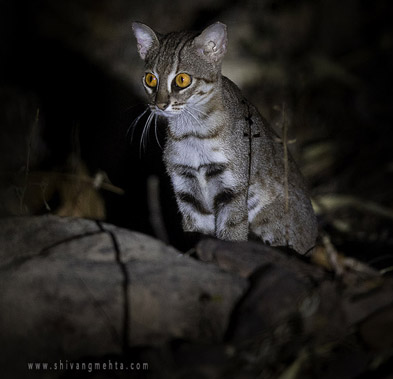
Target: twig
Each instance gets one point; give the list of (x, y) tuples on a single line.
[(327, 257), (332, 255), (43, 186), (359, 267), (335, 201), (294, 369), (386, 270)]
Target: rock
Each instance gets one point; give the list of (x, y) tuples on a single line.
[(74, 288), (245, 258), (295, 311)]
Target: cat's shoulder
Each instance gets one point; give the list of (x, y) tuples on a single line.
[(233, 94), (233, 97), (230, 87)]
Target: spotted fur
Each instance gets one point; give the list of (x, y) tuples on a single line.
[(225, 162)]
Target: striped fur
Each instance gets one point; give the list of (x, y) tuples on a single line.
[(224, 161)]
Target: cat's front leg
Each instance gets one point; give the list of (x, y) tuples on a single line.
[(195, 217), (231, 217)]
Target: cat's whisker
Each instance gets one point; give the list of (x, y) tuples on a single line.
[(197, 110), (134, 124), (146, 136), (195, 118), (155, 131), (142, 138), (145, 133), (186, 115)]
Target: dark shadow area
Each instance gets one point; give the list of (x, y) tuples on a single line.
[(69, 94), (75, 141)]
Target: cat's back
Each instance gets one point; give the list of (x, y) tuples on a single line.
[(247, 118), (267, 172)]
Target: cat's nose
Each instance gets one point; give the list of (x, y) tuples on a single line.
[(162, 106)]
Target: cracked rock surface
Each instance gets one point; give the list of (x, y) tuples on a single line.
[(73, 288)]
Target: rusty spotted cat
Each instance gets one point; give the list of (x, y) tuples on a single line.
[(225, 162)]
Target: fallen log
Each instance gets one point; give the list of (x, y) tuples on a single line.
[(77, 291)]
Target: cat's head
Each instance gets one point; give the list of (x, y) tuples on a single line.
[(181, 69)]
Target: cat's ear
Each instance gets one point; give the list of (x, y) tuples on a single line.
[(212, 42), (146, 38)]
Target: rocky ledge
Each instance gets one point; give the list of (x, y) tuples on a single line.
[(74, 290)]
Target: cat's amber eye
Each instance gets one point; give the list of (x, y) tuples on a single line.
[(183, 80), (150, 80)]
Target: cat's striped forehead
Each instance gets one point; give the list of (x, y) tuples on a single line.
[(167, 60), (176, 54), (170, 53)]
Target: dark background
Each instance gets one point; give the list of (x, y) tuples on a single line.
[(329, 62)]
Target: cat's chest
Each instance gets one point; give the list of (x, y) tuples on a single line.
[(196, 152)]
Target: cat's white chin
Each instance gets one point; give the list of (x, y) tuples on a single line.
[(166, 113)]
